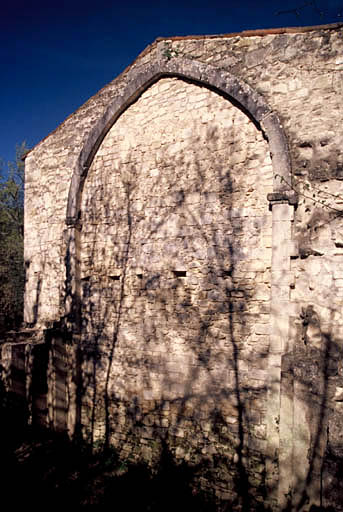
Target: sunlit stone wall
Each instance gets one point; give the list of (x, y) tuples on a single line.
[(176, 257), (176, 265)]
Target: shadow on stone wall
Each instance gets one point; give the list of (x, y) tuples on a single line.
[(237, 472), (312, 377), (226, 468), (312, 372), (229, 459)]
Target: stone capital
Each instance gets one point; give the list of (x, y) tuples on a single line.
[(286, 196)]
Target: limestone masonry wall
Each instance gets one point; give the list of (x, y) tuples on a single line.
[(175, 265), (183, 253)]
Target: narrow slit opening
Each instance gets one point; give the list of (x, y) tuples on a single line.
[(115, 278), (180, 273)]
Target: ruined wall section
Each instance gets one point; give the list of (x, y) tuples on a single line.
[(290, 70), (300, 76), (293, 71), (48, 171), (176, 258)]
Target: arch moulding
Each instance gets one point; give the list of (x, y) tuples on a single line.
[(138, 79)]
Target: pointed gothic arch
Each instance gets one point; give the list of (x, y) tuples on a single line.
[(139, 79), (282, 201)]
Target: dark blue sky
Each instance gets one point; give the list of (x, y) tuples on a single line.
[(56, 54)]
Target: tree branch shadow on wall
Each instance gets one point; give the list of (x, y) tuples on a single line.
[(315, 361), (315, 371), (223, 408), (234, 311), (147, 417), (314, 366)]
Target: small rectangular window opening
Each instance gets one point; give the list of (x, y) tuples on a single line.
[(115, 278), (180, 273), (140, 276), (227, 273)]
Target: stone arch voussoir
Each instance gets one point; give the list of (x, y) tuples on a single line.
[(141, 78)]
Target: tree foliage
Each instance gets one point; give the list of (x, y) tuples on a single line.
[(11, 241)]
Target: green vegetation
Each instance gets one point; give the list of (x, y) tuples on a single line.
[(169, 52), (11, 241)]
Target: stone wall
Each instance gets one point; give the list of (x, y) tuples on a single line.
[(175, 266), (204, 317), (287, 68)]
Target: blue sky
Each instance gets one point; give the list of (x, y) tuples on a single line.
[(54, 54)]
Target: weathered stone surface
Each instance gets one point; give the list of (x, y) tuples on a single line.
[(183, 231)]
